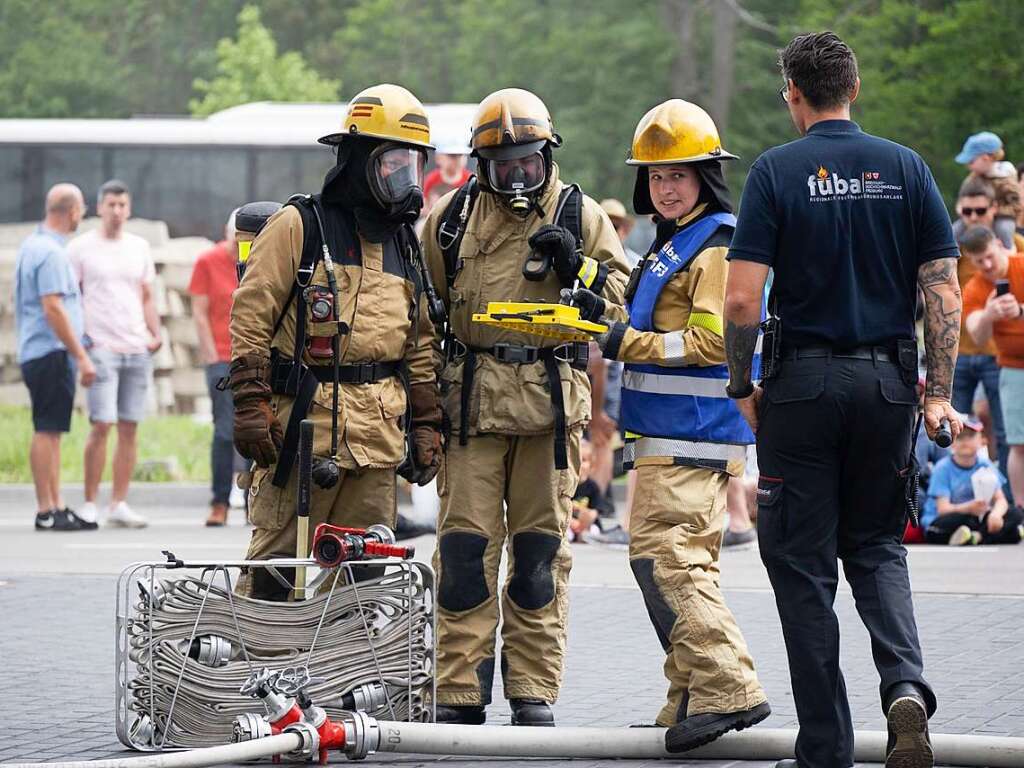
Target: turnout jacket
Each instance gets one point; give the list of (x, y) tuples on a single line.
[(386, 323), (512, 398)]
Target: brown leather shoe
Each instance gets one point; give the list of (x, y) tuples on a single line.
[(218, 515)]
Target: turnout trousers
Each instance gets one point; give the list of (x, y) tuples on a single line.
[(833, 440), (503, 492), (675, 530)]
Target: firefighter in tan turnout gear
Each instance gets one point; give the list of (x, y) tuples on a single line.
[(516, 405), (684, 436), (340, 336)]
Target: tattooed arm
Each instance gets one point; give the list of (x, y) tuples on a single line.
[(942, 305), (743, 292)]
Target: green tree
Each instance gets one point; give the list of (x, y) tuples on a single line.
[(55, 62), (250, 69)]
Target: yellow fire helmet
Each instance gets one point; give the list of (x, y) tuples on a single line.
[(676, 131), (387, 112), (511, 123)]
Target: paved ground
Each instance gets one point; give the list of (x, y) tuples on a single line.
[(57, 600)]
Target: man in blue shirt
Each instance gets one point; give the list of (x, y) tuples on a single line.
[(852, 225), (48, 312)]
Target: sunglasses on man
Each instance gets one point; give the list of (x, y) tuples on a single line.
[(968, 211)]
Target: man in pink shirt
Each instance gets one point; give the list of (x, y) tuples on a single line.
[(122, 328)]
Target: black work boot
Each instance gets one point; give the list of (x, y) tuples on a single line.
[(906, 716), (472, 714), (693, 731), (531, 712)]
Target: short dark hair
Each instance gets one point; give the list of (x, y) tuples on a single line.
[(1020, 171), (822, 66), (976, 239), (973, 186), (112, 187)]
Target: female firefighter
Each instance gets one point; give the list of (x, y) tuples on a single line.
[(684, 436)]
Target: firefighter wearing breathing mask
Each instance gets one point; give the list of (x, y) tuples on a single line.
[(684, 436), (328, 324), (516, 406)]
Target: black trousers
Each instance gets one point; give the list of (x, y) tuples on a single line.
[(942, 528), (834, 436)]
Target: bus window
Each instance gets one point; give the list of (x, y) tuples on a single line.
[(193, 189), (281, 173), (82, 166), (12, 172)]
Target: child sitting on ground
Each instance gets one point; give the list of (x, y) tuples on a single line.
[(585, 500), (963, 506)]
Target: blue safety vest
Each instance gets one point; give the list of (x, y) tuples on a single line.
[(683, 411)]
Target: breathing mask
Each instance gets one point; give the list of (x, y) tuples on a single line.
[(395, 175), (516, 178)]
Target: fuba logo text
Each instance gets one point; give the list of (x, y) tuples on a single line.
[(821, 184)]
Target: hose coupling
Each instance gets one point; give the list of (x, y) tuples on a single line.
[(249, 726), (310, 744), (362, 734)]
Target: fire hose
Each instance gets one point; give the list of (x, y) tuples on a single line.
[(363, 735), (193, 671)]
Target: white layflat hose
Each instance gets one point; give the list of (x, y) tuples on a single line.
[(640, 743), (609, 743), (193, 758)]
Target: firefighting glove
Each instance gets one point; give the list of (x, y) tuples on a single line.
[(591, 305), (559, 245), (425, 435), (258, 435), (591, 308)]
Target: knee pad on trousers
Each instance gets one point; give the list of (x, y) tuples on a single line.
[(662, 616), (532, 585), (266, 587), (485, 675), (463, 584)]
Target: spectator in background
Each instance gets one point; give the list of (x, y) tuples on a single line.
[(976, 363), (928, 454), (992, 305), (606, 394), (450, 173), (983, 155), (213, 283), (1020, 185), (623, 224), (48, 313), (115, 271), (964, 508)]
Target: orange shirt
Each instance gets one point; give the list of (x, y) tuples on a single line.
[(964, 272), (1007, 334)]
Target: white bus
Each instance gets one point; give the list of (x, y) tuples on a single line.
[(188, 172)]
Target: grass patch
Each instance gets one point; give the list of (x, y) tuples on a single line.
[(180, 439)]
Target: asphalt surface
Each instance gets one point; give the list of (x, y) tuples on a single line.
[(57, 650)]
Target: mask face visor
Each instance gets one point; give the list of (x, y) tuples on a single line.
[(518, 176), (395, 172)]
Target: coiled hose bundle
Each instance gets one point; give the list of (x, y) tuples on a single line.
[(193, 646)]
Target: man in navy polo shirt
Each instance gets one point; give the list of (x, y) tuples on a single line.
[(851, 224)]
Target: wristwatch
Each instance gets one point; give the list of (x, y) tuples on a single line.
[(739, 394)]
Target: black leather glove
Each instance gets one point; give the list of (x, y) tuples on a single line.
[(591, 305), (559, 245)]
